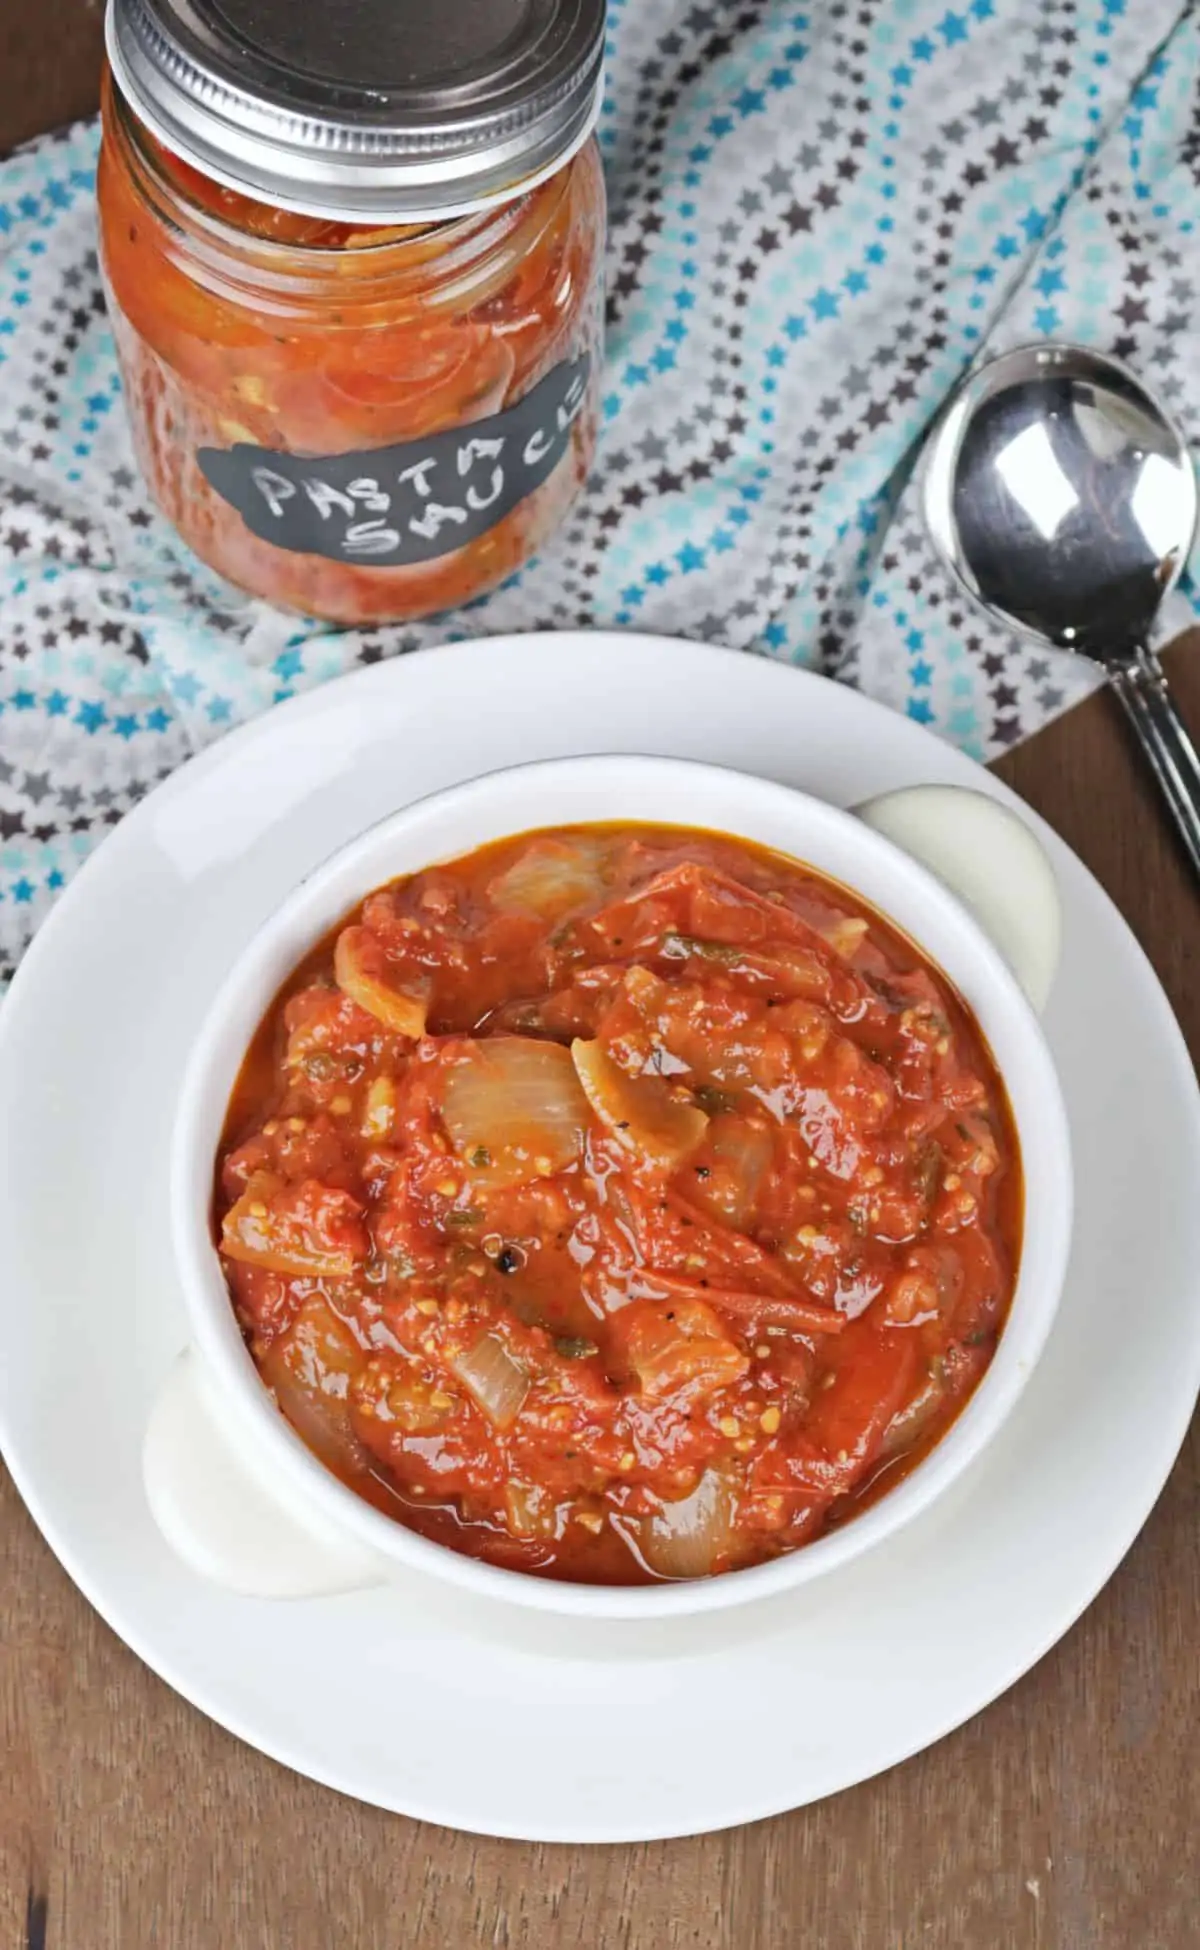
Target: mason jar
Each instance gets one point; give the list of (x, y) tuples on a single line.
[(354, 263)]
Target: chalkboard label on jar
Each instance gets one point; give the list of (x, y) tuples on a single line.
[(388, 507)]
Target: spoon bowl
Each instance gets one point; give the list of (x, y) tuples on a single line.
[(1063, 497)]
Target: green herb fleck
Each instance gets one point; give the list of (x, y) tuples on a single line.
[(573, 1347), (686, 947)]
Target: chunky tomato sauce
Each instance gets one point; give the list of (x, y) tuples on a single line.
[(238, 323), (619, 1203)]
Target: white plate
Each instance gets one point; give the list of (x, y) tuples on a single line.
[(416, 1697)]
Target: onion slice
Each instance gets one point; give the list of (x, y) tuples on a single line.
[(514, 1109), (551, 878), (687, 1539), (359, 969), (910, 1423), (493, 1380), (804, 1316), (529, 1512), (309, 1369), (642, 1113), (738, 1156), (846, 935)]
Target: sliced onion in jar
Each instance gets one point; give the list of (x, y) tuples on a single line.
[(687, 1539), (551, 878), (359, 968), (642, 1113), (495, 1382), (514, 1109)]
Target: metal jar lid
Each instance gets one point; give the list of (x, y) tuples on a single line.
[(381, 109)]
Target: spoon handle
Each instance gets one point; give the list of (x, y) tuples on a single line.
[(1141, 685)]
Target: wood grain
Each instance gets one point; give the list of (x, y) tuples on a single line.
[(1061, 1819)]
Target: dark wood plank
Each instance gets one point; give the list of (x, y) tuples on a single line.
[(49, 64), (1084, 777)]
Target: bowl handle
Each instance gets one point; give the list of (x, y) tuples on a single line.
[(214, 1510), (989, 858)]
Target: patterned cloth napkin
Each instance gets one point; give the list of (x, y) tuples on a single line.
[(819, 217)]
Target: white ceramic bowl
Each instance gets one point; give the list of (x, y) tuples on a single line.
[(236, 1491)]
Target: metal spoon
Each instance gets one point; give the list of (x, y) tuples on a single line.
[(1064, 500)]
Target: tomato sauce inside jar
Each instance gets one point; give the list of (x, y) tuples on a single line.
[(371, 394)]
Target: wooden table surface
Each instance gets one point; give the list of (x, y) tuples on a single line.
[(1063, 1818)]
